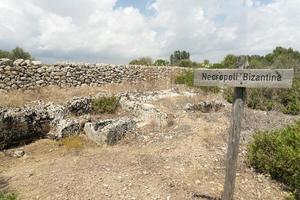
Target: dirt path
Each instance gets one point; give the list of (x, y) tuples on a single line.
[(183, 161)]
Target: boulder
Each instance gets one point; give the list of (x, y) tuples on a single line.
[(67, 128), (32, 122), (55, 112), (18, 125), (144, 112), (80, 105), (109, 131)]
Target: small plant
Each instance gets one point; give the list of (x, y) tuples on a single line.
[(278, 153), (105, 104), (8, 196), (72, 142)]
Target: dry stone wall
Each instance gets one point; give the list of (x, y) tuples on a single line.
[(26, 74)]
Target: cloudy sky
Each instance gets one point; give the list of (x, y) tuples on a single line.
[(116, 31)]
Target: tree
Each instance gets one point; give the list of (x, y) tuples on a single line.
[(142, 61), (161, 62), (206, 62), (229, 61), (19, 53), (177, 56)]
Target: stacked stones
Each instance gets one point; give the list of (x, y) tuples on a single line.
[(26, 74)]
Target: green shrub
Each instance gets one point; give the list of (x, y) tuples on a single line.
[(283, 100), (161, 62), (187, 78), (278, 154), (147, 61), (105, 104), (8, 196), (290, 99)]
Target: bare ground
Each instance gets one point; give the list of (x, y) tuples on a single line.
[(182, 161)]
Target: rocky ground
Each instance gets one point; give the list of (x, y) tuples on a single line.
[(176, 151)]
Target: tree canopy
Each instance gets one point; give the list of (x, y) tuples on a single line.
[(178, 56), (161, 62)]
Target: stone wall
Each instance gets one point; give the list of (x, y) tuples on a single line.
[(25, 74)]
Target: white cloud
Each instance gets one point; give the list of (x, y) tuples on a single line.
[(274, 24), (43, 27), (189, 25), (95, 30)]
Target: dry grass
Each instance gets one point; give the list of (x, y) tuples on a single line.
[(73, 142), (51, 93)]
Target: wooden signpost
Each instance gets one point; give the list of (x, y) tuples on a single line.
[(240, 78)]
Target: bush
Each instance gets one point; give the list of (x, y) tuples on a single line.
[(4, 54), (187, 78), (283, 100), (185, 63), (147, 61), (105, 104), (8, 196), (278, 154), (19, 53), (16, 53), (161, 62)]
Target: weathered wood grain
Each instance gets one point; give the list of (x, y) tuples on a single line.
[(250, 78), (234, 136)]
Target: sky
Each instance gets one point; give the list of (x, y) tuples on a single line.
[(117, 31)]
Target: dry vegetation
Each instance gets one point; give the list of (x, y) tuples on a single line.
[(73, 142), (62, 95)]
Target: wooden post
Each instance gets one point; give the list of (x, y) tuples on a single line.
[(234, 135), (241, 79)]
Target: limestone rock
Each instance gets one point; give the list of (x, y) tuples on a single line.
[(18, 62), (55, 112), (19, 153), (67, 128), (26, 63), (36, 62), (109, 131), (80, 105), (22, 124), (145, 112)]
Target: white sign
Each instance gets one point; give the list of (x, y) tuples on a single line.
[(271, 78)]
